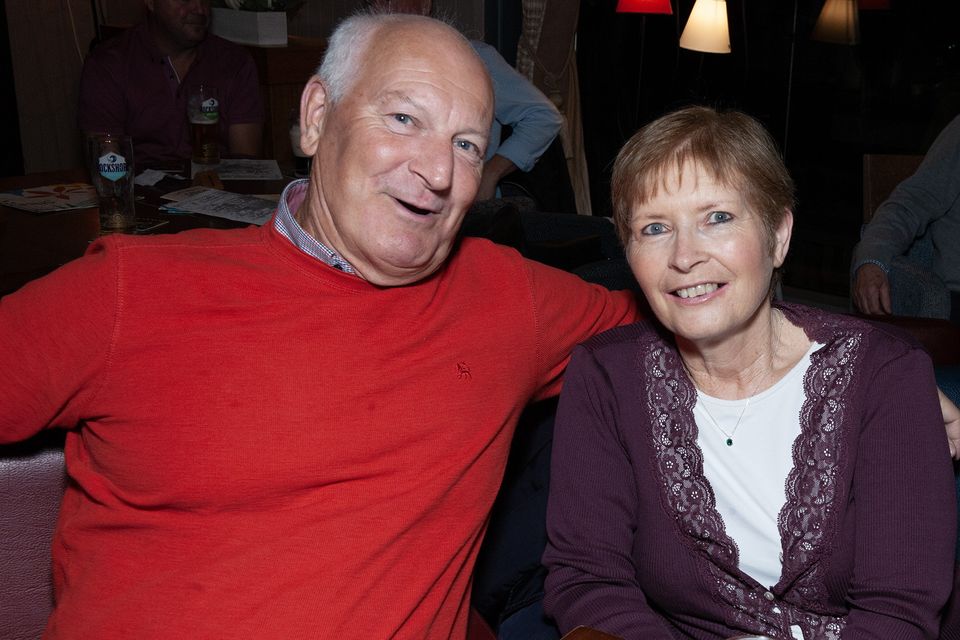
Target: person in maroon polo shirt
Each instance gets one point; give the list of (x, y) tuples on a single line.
[(137, 84)]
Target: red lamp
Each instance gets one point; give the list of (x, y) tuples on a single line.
[(644, 6)]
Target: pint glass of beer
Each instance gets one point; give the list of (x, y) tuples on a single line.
[(110, 160), (203, 111)]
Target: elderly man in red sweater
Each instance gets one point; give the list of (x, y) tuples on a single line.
[(297, 431)]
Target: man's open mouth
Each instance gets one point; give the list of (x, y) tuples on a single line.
[(415, 209)]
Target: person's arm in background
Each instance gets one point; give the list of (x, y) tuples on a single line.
[(533, 119), (244, 111), (914, 204), (246, 139), (494, 170), (951, 421), (101, 107)]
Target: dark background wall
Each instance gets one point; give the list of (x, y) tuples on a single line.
[(11, 158), (889, 94)]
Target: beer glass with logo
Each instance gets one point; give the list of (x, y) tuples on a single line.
[(203, 111), (110, 158)]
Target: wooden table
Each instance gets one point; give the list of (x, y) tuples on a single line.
[(33, 245)]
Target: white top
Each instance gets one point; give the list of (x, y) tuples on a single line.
[(749, 477)]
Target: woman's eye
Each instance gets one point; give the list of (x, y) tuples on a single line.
[(654, 229), (717, 217)]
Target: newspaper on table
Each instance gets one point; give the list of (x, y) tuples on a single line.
[(242, 169), (222, 204)]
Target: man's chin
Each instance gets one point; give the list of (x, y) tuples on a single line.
[(194, 34), (397, 275)]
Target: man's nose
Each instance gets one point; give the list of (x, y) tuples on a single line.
[(434, 164)]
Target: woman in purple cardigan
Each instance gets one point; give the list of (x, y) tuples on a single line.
[(740, 466)]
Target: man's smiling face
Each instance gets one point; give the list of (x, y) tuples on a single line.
[(399, 157)]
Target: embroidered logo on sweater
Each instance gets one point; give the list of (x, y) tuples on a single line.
[(463, 371)]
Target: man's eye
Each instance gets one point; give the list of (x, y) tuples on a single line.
[(719, 217), (402, 118), (654, 229), (466, 145)]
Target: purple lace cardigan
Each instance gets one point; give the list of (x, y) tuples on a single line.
[(638, 549)]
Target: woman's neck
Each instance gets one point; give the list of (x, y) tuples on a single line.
[(743, 365)]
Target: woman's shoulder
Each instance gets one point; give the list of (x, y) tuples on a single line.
[(628, 337), (830, 328)]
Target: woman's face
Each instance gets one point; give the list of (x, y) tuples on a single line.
[(703, 257)]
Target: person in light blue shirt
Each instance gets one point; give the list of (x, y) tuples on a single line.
[(534, 121)]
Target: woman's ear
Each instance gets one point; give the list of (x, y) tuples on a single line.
[(313, 111), (781, 238)]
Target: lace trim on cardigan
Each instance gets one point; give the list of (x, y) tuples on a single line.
[(805, 520)]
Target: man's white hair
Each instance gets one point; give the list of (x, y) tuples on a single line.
[(349, 44)]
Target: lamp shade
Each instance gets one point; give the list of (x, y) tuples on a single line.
[(706, 28), (839, 22), (644, 6)]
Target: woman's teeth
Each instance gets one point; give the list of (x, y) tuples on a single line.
[(699, 290)]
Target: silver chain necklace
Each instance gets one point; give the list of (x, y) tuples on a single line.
[(729, 436), (746, 405)]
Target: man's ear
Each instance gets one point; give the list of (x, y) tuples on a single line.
[(314, 107)]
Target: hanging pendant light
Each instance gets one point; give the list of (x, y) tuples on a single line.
[(839, 23), (706, 28), (644, 6)]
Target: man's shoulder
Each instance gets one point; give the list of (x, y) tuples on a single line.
[(484, 50), (122, 46), (482, 250), (498, 259), (225, 49), (174, 245)]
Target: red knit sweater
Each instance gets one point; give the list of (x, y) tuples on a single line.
[(264, 447)]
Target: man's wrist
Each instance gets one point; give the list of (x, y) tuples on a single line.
[(883, 267)]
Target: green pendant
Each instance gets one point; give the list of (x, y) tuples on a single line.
[(729, 442)]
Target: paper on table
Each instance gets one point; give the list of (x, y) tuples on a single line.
[(222, 204), (150, 177), (52, 197), (242, 169)]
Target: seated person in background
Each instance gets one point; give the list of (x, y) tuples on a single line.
[(298, 430), (928, 200), (741, 467), (533, 120), (137, 84)]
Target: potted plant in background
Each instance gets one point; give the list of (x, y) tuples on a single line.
[(257, 22)]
